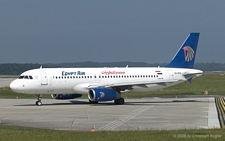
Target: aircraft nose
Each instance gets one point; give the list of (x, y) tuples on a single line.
[(13, 86)]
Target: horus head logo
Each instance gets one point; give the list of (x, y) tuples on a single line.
[(188, 53), (102, 94)]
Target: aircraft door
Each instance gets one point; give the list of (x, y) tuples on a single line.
[(44, 78), (171, 77), (99, 77), (95, 77)]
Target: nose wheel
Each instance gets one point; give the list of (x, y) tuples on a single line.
[(38, 102)]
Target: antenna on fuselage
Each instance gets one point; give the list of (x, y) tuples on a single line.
[(127, 66), (40, 67)]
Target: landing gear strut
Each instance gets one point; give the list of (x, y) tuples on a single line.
[(119, 101), (38, 102)]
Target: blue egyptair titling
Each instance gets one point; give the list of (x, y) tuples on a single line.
[(64, 73), (80, 73)]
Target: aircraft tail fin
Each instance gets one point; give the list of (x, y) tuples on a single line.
[(185, 57)]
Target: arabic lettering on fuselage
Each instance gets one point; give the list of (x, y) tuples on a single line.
[(113, 72), (64, 73)]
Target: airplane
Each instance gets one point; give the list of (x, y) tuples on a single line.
[(107, 84)]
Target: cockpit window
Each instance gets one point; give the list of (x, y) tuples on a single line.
[(25, 77), (21, 77)]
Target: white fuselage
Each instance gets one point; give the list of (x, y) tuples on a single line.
[(80, 80)]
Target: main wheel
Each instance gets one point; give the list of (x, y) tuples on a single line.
[(119, 101)]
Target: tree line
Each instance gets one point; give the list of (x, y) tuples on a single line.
[(16, 69)]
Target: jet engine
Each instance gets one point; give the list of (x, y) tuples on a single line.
[(65, 96), (102, 94)]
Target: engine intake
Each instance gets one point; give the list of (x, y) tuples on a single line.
[(102, 94)]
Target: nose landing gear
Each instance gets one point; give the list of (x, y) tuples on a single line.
[(38, 102)]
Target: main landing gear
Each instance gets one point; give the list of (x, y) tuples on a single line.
[(38, 102), (119, 101)]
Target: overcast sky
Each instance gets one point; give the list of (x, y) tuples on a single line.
[(53, 31)]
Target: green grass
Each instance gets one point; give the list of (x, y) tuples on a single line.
[(214, 84), (12, 133)]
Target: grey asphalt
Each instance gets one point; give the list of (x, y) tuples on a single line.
[(136, 114), (4, 82)]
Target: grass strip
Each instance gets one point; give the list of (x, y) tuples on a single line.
[(13, 133)]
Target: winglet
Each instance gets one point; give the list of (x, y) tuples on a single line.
[(185, 57)]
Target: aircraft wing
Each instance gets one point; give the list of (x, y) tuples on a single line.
[(128, 86)]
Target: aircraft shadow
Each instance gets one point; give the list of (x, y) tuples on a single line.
[(111, 103)]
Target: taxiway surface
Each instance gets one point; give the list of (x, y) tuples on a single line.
[(135, 114)]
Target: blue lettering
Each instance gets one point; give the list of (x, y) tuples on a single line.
[(64, 73), (80, 73), (68, 73)]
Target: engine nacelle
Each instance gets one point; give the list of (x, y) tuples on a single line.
[(102, 94), (65, 96)]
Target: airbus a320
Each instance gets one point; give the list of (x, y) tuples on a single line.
[(107, 84)]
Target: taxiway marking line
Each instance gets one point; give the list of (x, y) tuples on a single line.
[(116, 123)]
